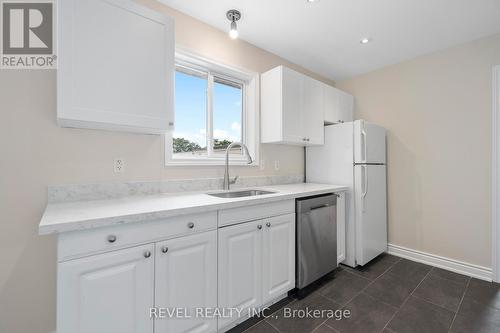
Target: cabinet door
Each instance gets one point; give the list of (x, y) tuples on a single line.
[(115, 66), (341, 237), (331, 106), (313, 112), (240, 268), (110, 292), (293, 101), (346, 106), (186, 278), (278, 268), (338, 105)]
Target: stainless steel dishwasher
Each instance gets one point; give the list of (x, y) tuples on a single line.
[(316, 238)]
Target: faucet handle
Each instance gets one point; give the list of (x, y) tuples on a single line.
[(233, 181)]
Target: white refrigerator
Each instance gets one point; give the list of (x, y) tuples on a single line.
[(354, 155)]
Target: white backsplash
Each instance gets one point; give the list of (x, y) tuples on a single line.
[(99, 191)]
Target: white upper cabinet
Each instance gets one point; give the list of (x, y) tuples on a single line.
[(339, 106), (291, 108), (115, 66), (313, 115), (290, 119)]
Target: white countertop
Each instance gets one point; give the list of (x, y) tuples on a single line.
[(81, 215)]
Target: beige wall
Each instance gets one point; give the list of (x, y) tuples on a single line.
[(34, 153), (437, 109)]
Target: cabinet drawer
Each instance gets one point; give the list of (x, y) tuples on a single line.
[(83, 242), (255, 212)]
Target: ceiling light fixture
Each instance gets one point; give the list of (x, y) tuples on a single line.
[(312, 0), (233, 15), (365, 40)]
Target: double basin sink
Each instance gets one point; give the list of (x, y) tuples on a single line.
[(240, 194)]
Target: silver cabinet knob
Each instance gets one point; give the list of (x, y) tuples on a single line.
[(147, 254), (268, 224), (341, 121), (164, 249), (259, 227), (111, 238), (304, 139), (190, 225), (308, 140)]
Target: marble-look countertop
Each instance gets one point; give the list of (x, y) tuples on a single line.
[(82, 215)]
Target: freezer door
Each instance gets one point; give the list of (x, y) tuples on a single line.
[(369, 143), (332, 162), (371, 211)]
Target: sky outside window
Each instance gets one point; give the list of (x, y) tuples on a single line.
[(190, 111), (190, 135), (227, 113)]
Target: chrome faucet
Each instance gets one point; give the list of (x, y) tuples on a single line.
[(227, 181)]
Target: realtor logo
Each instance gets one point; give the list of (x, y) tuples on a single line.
[(28, 35)]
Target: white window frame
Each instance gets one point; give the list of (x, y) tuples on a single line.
[(250, 106)]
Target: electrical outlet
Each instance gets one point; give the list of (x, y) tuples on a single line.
[(276, 165), (119, 165)]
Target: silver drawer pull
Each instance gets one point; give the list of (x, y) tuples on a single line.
[(268, 224), (147, 254), (111, 238), (164, 249), (190, 225), (259, 227)]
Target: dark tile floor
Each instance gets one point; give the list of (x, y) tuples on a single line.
[(390, 295)]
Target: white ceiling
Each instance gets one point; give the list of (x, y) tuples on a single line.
[(324, 36)]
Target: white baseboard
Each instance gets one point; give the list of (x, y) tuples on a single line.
[(456, 266)]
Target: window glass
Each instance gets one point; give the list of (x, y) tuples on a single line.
[(190, 135), (227, 114), (209, 113)]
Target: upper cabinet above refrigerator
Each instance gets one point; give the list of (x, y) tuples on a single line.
[(339, 106), (295, 107), (292, 108), (115, 66)]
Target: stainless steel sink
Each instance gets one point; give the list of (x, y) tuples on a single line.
[(239, 194)]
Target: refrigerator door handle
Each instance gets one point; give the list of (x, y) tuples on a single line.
[(363, 134), (365, 187)]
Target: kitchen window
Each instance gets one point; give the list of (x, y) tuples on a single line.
[(215, 105)]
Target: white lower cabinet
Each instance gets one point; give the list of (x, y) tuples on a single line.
[(186, 278), (256, 264), (158, 287), (110, 292), (115, 291), (240, 268), (341, 227), (278, 256)]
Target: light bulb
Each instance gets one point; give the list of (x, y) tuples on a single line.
[(233, 33)]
